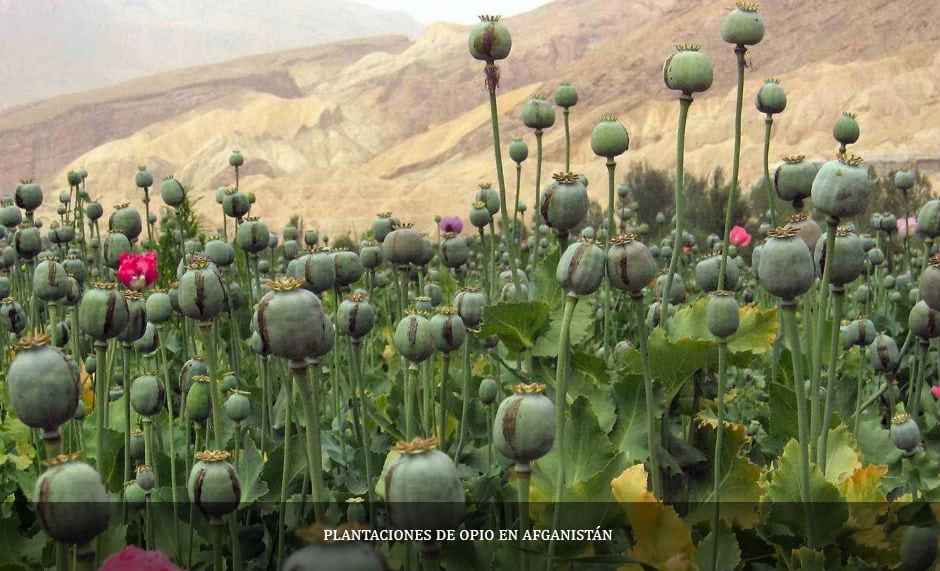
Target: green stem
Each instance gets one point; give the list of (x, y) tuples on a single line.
[(537, 206), (771, 198), (515, 210), (719, 437), (611, 176), (127, 421), (685, 101), (306, 377), (171, 423), (411, 387), (465, 409), (208, 334), (523, 478), (216, 531), (652, 432), (567, 112), (356, 362), (821, 311), (442, 403), (285, 469), (739, 51), (838, 297)]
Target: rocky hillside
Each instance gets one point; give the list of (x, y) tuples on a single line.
[(339, 132)]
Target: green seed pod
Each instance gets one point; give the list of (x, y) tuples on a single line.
[(115, 244), (448, 331), (348, 266), (490, 40), (94, 211), (862, 332), (12, 315), (50, 282), (707, 273), (136, 317), (201, 291), (905, 433), (103, 312), (292, 323), (581, 268), (895, 297), (149, 341), (75, 267), (381, 226), (5, 287), (311, 238), (349, 556), (316, 272), (43, 384), (609, 138), (27, 241), (928, 219), (236, 159), (145, 478), (229, 381), (172, 192), (564, 203), (159, 309), (488, 391), (793, 179), (807, 229), (403, 246), (198, 399), (566, 96), (143, 178), (842, 187), (470, 303), (687, 70), (743, 26), (10, 215), (220, 253), (923, 321), (524, 427), (74, 178), (862, 294), (235, 204), (883, 354), (538, 114), (252, 236), (889, 223), (771, 98), (480, 217), (424, 304), (488, 196), (875, 256), (370, 255), (238, 406), (213, 484), (434, 293), (356, 316), (147, 395), (723, 315), (60, 234), (455, 251), (904, 180), (848, 260), (930, 283), (125, 220), (413, 339), (888, 282), (7, 257), (518, 150), (846, 129), (786, 266), (422, 488), (72, 504), (28, 195), (918, 549)]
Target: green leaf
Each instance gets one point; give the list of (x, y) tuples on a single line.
[(874, 441), (729, 553), (273, 468), (783, 418), (590, 380), (250, 466), (111, 467), (756, 333), (842, 457), (517, 325), (630, 432), (582, 326)]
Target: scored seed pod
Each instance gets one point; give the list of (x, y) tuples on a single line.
[(422, 488), (199, 399), (235, 203), (538, 113), (455, 251), (793, 179), (609, 138), (905, 433), (448, 331), (136, 317), (413, 339), (883, 354), (488, 196), (74, 266), (688, 70), (125, 220), (846, 130), (149, 341), (564, 203), (292, 323), (743, 26), (403, 246), (490, 39), (771, 98), (786, 267), (356, 316), (27, 241), (848, 260), (923, 321), (346, 555), (707, 274), (72, 504), (862, 332), (237, 406), (43, 383), (581, 268), (722, 314), (103, 312), (147, 395), (12, 316), (348, 267), (202, 294), (470, 303), (315, 271), (524, 426), (252, 236), (50, 282), (929, 285), (213, 485), (842, 187), (114, 245)]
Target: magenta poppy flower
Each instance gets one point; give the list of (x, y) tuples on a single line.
[(451, 224), (137, 271), (906, 225), (133, 558), (739, 237)]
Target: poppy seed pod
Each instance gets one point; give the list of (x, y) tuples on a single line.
[(488, 196), (842, 187), (918, 549), (771, 98), (707, 274), (403, 246), (143, 178), (806, 228), (236, 159), (923, 321), (316, 272), (518, 150), (581, 268), (470, 303), (147, 395), (352, 556), (904, 180), (905, 433), (199, 399), (928, 219), (5, 287), (786, 266), (524, 427), (412, 338), (448, 331), (723, 315), (480, 217), (27, 241), (422, 488), (370, 254), (12, 315), (125, 220), (291, 322), (564, 203), (883, 354), (677, 294), (149, 341), (10, 215), (688, 70), (115, 244), (862, 331), (356, 316), (28, 195), (348, 267), (235, 204), (213, 484), (381, 226), (103, 312), (630, 264), (609, 138), (311, 238), (74, 266), (488, 391), (202, 293), (793, 179), (50, 282), (566, 95), (43, 384), (490, 39), (94, 211), (455, 251), (220, 252), (538, 114), (172, 192), (424, 304), (159, 308), (848, 260), (846, 130), (237, 406), (252, 236), (136, 317), (743, 26), (930, 283), (145, 478), (71, 501)]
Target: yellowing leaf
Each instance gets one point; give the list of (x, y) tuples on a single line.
[(842, 458), (662, 539), (88, 389), (863, 492)]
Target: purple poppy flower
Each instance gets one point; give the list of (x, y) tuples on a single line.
[(451, 224)]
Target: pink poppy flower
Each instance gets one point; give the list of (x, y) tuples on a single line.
[(935, 391), (133, 558), (137, 271), (906, 225), (739, 237), (451, 224)]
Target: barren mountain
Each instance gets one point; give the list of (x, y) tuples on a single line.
[(339, 132)]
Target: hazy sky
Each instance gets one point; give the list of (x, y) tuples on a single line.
[(462, 11)]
